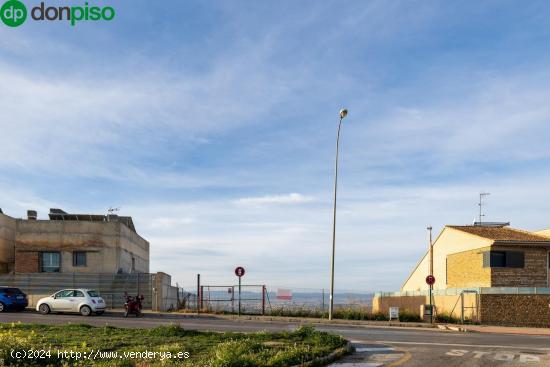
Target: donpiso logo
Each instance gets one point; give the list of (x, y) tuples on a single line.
[(13, 13)]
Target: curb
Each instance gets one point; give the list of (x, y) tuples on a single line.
[(453, 328), (297, 320), (325, 321)]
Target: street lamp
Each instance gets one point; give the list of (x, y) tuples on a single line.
[(343, 113), (431, 273)]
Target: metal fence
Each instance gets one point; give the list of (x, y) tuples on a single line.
[(110, 286), (458, 291), (255, 300)]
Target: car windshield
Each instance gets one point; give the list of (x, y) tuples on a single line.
[(93, 294)]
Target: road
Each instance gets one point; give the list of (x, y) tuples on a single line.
[(376, 346)]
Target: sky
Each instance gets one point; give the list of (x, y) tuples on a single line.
[(213, 124)]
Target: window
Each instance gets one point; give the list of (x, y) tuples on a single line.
[(50, 262), (503, 259), (93, 294), (79, 258), (133, 264), (78, 294), (498, 259), (10, 291), (64, 293)]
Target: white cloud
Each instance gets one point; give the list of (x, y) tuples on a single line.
[(292, 198)]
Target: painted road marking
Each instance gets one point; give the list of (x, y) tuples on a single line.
[(369, 355), (466, 345), (382, 349), (499, 356)]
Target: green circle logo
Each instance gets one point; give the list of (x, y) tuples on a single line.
[(13, 13)]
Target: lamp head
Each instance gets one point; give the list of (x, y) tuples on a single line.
[(343, 113)]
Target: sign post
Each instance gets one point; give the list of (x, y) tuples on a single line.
[(430, 280), (239, 271)]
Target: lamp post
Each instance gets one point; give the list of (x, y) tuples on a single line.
[(431, 273), (343, 113)]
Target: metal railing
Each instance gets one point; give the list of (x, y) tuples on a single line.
[(458, 291)]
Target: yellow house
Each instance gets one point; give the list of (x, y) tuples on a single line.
[(485, 256)]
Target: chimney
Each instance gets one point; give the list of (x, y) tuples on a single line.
[(32, 214)]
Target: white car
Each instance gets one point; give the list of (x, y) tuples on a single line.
[(83, 301)]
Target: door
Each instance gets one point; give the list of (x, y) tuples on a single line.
[(62, 300), (76, 298)]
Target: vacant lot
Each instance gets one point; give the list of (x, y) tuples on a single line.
[(85, 345)]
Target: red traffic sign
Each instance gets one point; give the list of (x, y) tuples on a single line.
[(239, 271), (430, 280)]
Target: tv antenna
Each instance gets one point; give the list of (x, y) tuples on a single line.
[(112, 210), (482, 196)]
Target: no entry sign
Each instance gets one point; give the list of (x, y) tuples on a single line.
[(239, 271), (430, 280)]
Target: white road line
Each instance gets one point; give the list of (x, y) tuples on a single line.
[(464, 345), (381, 349)]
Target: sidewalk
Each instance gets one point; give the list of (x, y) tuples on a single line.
[(506, 330)]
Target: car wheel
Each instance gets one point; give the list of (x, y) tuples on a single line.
[(2, 307), (44, 309), (85, 311), (99, 313)]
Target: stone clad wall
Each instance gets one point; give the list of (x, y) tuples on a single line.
[(515, 309), (533, 274)]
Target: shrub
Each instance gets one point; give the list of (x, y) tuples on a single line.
[(447, 318), (406, 316)]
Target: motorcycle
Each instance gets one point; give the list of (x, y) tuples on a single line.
[(132, 305)]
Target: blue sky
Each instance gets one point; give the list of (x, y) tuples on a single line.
[(213, 123)]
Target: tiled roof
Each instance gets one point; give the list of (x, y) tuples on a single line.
[(502, 234)]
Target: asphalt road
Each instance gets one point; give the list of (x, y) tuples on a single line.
[(376, 346)]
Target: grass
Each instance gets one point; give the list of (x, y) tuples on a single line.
[(205, 349), (343, 314)]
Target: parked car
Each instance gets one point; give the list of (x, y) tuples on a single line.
[(83, 301), (12, 299)]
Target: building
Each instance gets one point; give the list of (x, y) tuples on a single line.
[(71, 243), (492, 274), (485, 256)]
